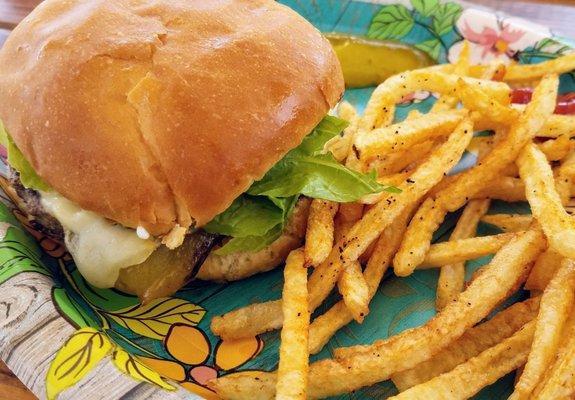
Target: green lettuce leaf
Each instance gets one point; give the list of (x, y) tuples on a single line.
[(253, 222), (306, 170), (16, 159)]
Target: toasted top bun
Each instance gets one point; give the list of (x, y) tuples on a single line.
[(161, 112)]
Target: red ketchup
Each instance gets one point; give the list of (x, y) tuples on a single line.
[(565, 102)]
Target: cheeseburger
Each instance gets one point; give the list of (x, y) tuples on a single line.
[(163, 140)]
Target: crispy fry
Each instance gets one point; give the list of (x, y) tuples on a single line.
[(559, 382), (461, 68), (473, 98), (380, 109), (557, 149), (350, 212), (293, 354), (467, 379), (402, 136), (474, 341), (390, 180), (414, 244), (559, 227), (565, 178), (327, 324), (558, 125), (465, 249), (347, 111), (470, 182), (354, 290), (249, 321), (509, 222), (452, 276), (320, 229), (528, 73), (556, 303), (387, 164), (503, 188), (543, 270)]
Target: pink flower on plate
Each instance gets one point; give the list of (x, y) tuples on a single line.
[(494, 41), (494, 37), (415, 97)]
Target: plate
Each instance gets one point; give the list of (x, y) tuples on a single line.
[(61, 336)]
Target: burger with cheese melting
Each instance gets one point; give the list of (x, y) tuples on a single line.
[(164, 140)]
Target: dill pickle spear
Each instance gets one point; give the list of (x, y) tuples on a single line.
[(367, 62)]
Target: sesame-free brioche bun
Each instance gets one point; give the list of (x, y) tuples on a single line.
[(161, 112)]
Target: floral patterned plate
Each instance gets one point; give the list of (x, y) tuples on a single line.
[(62, 336)]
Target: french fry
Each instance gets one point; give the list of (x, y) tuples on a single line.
[(528, 73), (327, 324), (474, 341), (350, 212), (354, 290), (473, 98), (462, 250), (249, 321), (461, 68), (415, 245), (393, 163), (556, 303), (508, 222), (543, 270), (262, 317), (293, 355), (347, 111), (559, 382), (469, 183), (546, 206), (402, 136), (468, 378), (565, 178), (557, 149), (320, 231), (380, 109), (452, 276), (558, 125), (503, 188)]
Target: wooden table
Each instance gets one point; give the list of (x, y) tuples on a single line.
[(556, 14)]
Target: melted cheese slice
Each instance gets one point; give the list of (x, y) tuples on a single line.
[(100, 248)]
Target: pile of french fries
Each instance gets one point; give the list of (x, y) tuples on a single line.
[(529, 157)]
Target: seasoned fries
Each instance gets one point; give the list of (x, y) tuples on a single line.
[(468, 344), (559, 382), (293, 365), (543, 270), (320, 229), (474, 341), (508, 222), (545, 202), (462, 250), (469, 183), (452, 276), (354, 290), (326, 325), (468, 378), (404, 135), (556, 303)]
